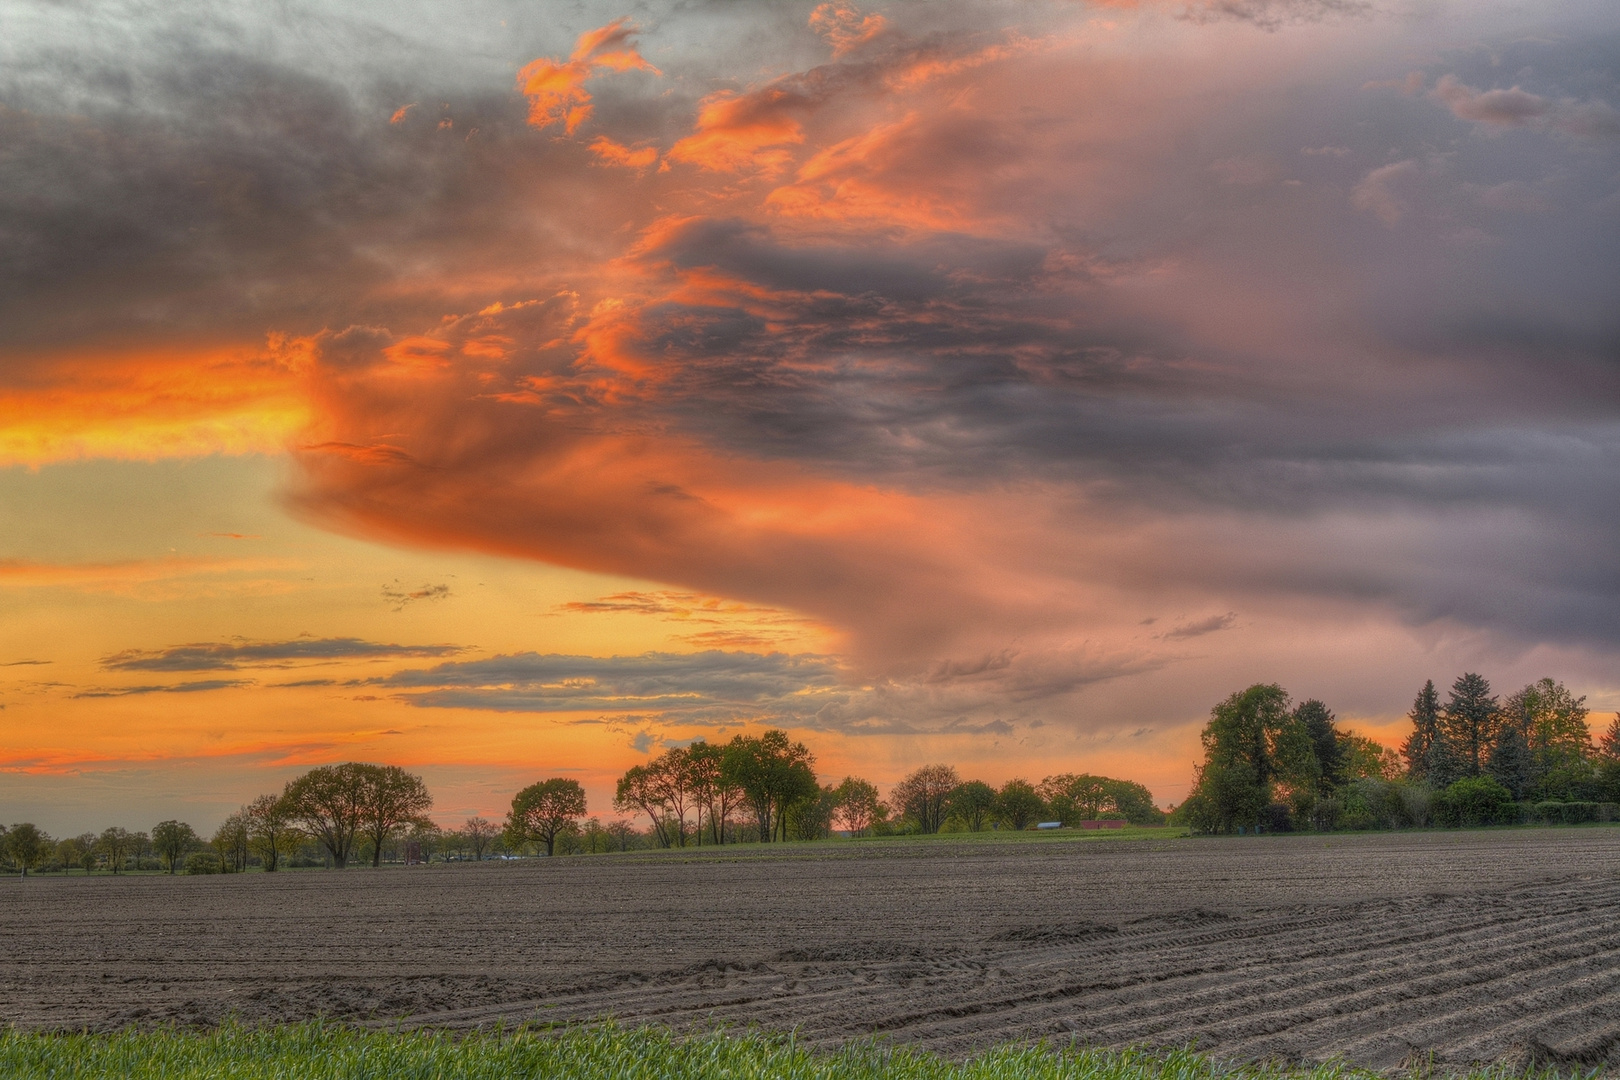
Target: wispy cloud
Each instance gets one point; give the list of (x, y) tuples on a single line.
[(652, 682), (1200, 627), (232, 656), (197, 686), (402, 597)]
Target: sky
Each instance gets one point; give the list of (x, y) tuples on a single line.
[(513, 390)]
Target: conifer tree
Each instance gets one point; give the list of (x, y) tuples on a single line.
[(1470, 720), (1425, 716), (1442, 765), (1317, 720), (1510, 761)]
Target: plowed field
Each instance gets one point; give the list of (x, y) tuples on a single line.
[(1379, 948)]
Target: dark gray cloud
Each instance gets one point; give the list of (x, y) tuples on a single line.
[(705, 683), (196, 686), (232, 656), (804, 690)]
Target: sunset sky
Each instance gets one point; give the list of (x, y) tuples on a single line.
[(511, 390)]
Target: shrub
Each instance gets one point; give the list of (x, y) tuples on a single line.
[(1477, 800), (1567, 813), (1417, 804), (1327, 814), (1359, 819), (1277, 817), (203, 862)]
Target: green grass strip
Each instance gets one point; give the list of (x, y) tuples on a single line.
[(316, 1051)]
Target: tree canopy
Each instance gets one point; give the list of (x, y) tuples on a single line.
[(543, 811)]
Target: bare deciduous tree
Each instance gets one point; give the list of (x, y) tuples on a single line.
[(479, 834), (921, 796)]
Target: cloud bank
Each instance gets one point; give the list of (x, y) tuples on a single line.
[(963, 332)]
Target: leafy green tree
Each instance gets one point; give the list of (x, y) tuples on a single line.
[(71, 851), (1134, 802), (922, 795), (544, 811), (1361, 758), (1553, 724), (1226, 796), (716, 792), (672, 770), (88, 853), (173, 841), (1470, 721), (1253, 744), (117, 844), (971, 803), (27, 846), (1425, 717), (230, 841), (858, 804), (1316, 720), (773, 774), (811, 819), (1074, 798), (1248, 728), (390, 800), (643, 789), (330, 804), (1019, 805), (271, 833)]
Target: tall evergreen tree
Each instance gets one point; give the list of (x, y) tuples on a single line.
[(1470, 721), (1443, 766), (1317, 721), (1425, 716), (1510, 761)]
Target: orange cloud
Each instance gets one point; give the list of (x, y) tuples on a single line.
[(843, 27), (128, 576), (556, 89), (612, 153), (854, 181), (743, 131), (149, 404)]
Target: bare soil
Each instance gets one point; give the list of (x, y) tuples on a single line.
[(1383, 949)]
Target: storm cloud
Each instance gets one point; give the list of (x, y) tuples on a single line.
[(965, 334)]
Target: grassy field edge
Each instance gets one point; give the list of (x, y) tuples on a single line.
[(318, 1051)]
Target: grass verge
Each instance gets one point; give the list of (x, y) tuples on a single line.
[(315, 1051)]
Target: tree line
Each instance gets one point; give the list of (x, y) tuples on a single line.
[(753, 789), (1474, 759), (764, 789)]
